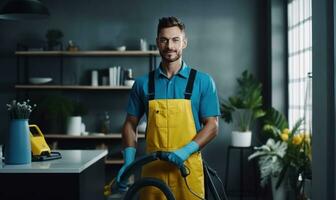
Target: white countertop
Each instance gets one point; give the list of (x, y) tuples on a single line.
[(72, 161)]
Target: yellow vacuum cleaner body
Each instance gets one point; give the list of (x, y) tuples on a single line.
[(39, 145)]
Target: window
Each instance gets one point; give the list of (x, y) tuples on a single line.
[(299, 61)]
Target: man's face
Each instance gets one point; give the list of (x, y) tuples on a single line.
[(171, 41)]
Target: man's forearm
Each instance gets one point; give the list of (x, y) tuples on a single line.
[(208, 132), (129, 136)]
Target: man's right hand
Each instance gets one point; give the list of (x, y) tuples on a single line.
[(129, 156)]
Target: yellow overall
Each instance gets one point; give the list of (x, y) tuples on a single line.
[(170, 127)]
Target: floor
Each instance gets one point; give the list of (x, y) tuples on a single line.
[(120, 197)]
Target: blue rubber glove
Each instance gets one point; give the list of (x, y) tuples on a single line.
[(129, 155), (179, 156)]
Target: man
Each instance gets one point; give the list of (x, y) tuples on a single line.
[(181, 105)]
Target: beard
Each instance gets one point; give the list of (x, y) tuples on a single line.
[(170, 55)]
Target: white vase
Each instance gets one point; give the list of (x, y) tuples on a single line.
[(142, 127), (279, 193), (241, 139), (74, 125)]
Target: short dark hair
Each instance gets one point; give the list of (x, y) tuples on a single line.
[(166, 22)]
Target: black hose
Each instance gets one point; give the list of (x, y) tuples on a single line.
[(147, 181), (159, 155), (211, 172)]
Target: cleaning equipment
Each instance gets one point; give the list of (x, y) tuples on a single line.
[(39, 147), (148, 181), (112, 192), (108, 188)]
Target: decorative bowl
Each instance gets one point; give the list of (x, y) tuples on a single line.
[(40, 80), (121, 48)]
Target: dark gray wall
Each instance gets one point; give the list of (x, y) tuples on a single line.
[(224, 37), (323, 166), (278, 52)]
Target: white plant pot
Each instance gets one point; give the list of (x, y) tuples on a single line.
[(308, 188), (142, 127), (74, 125), (279, 193), (241, 139)]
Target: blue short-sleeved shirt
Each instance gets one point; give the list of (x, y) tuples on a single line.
[(204, 97)]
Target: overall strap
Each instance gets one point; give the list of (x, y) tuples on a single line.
[(190, 84), (151, 85)]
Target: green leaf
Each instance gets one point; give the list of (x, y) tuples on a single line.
[(282, 176), (236, 102), (275, 118), (226, 110), (258, 113), (297, 125)]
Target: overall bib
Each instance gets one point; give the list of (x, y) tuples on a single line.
[(171, 126)]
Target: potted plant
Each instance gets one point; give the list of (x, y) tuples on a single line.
[(243, 109), (285, 159), (55, 113), (74, 121), (54, 37)]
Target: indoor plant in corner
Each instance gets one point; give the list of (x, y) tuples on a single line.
[(243, 109), (285, 159)]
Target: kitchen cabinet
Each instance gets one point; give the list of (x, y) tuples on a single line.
[(78, 175)]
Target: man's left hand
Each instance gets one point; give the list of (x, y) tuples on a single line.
[(179, 156)]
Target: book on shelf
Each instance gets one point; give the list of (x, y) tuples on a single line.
[(122, 76), (111, 75), (116, 76)]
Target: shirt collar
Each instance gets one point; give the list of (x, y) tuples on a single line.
[(183, 72)]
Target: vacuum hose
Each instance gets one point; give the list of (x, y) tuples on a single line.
[(147, 181), (158, 155), (154, 182)]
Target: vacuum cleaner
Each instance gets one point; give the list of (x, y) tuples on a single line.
[(39, 147), (209, 173)]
